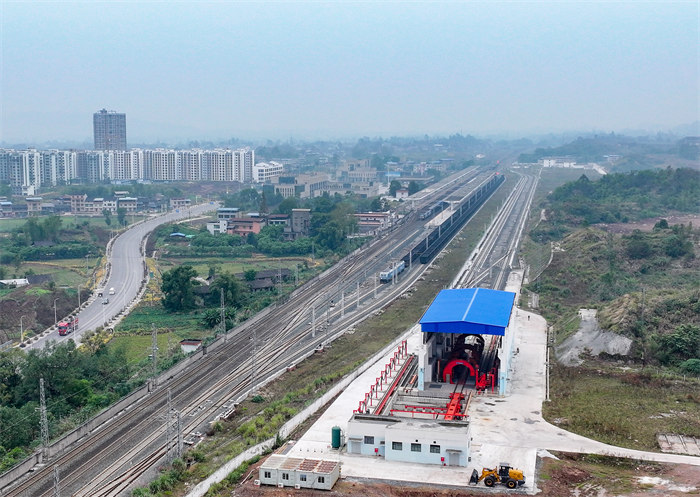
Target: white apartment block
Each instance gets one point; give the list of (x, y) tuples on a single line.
[(263, 172), (27, 170)]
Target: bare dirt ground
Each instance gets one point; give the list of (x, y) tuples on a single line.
[(648, 224), (564, 477)]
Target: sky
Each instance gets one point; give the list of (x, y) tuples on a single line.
[(331, 70)]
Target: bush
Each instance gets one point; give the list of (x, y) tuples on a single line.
[(691, 366)]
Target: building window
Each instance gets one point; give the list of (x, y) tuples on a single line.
[(285, 476), (322, 479), (396, 446), (415, 447), (369, 440), (302, 477), (434, 449), (268, 474)]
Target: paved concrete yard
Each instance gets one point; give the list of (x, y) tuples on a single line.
[(508, 429)]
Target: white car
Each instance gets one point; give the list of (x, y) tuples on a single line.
[(111, 291)]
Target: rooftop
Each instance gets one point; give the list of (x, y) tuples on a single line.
[(477, 311)]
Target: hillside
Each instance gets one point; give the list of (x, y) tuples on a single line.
[(625, 153), (642, 280)]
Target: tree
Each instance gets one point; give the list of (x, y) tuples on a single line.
[(637, 246), (287, 205), (52, 227), (393, 186), (250, 274), (378, 204), (108, 216), (121, 216), (233, 290), (413, 187), (263, 204), (178, 288)]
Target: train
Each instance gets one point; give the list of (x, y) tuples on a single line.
[(69, 326), (426, 249), (432, 211), (395, 270)]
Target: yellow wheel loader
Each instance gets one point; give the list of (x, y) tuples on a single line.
[(503, 474)]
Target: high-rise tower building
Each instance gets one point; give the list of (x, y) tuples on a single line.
[(110, 130)]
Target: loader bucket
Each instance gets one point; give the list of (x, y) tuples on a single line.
[(475, 477)]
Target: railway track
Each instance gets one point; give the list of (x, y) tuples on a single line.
[(108, 460), (492, 260)]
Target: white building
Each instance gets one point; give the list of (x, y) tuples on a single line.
[(263, 172), (30, 170), (424, 441), (283, 471)]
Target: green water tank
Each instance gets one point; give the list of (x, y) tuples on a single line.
[(335, 437)]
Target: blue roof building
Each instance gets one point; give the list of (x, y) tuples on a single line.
[(476, 311), (454, 345)]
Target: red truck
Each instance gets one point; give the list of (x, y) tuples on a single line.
[(65, 327)]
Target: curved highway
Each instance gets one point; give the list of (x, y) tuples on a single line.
[(125, 273)]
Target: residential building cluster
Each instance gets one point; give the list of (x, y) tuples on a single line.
[(81, 205), (28, 171), (230, 220)]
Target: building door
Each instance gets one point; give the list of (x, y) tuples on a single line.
[(453, 458)]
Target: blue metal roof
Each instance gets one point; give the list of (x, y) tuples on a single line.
[(478, 311)]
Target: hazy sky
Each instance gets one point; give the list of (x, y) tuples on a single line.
[(210, 70)]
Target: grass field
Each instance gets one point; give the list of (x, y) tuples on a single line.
[(138, 347), (65, 272), (8, 225), (625, 408), (139, 322), (202, 265)]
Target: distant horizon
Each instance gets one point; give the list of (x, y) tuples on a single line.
[(307, 70), (688, 129)]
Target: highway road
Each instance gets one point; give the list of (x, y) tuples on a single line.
[(126, 263)]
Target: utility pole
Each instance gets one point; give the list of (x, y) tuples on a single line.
[(342, 304), (255, 351), (154, 350), (56, 482), (223, 315), (179, 435), (167, 427), (313, 322), (374, 278), (358, 295), (44, 420)]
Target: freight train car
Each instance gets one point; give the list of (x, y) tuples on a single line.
[(431, 245)]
